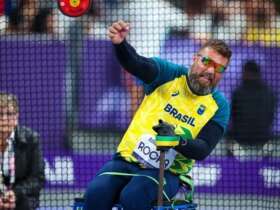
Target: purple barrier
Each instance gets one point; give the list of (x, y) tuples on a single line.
[(35, 72), (103, 102), (247, 177), (218, 174), (181, 51)]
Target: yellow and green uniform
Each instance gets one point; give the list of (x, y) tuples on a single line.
[(169, 98)]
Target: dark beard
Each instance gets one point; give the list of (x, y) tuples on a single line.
[(196, 87)]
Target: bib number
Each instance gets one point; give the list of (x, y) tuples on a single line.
[(148, 155)]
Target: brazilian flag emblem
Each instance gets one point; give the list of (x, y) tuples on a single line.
[(167, 141), (201, 109)]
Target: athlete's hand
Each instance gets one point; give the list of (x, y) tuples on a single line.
[(118, 31), (164, 129), (166, 137)]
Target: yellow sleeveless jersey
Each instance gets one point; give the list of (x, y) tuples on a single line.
[(168, 98)]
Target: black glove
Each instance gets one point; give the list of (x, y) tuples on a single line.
[(166, 137), (164, 129)]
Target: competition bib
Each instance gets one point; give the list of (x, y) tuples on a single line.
[(147, 154)]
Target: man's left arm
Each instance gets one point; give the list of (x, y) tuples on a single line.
[(210, 134), (204, 144), (34, 182)]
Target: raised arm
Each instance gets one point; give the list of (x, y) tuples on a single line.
[(143, 68)]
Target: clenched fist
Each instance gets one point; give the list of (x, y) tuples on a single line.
[(118, 31)]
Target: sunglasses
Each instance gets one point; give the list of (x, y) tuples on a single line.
[(219, 68)]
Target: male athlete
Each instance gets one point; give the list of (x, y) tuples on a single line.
[(184, 102)]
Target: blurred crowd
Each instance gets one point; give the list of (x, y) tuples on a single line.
[(249, 20), (37, 17)]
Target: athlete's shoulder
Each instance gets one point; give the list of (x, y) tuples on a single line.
[(166, 65), (223, 113), (220, 98), (167, 71)]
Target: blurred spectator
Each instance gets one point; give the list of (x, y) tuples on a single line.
[(41, 22), (53, 22), (59, 24), (253, 109), (218, 19), (3, 18), (200, 22), (21, 16), (263, 22), (22, 167), (229, 19), (5, 7), (277, 6), (151, 22)]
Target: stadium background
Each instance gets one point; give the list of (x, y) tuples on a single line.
[(74, 93)]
